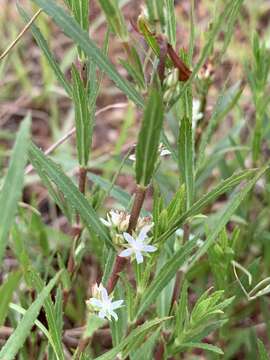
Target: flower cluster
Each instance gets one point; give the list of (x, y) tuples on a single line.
[(136, 245), (102, 303)]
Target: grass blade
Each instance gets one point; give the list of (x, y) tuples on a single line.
[(17, 339), (51, 316), (12, 188), (6, 292)]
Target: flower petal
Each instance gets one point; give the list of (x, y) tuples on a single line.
[(114, 315), (125, 253), (129, 238), (116, 304), (144, 231), (105, 222), (149, 248), (102, 314), (104, 293), (95, 303), (165, 152), (139, 257)]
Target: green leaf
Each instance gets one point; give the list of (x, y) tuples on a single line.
[(145, 351), (263, 355), (13, 184), (51, 315), (93, 323), (170, 22), (226, 101), (204, 346), (166, 273), (228, 211), (42, 43), (72, 194), (6, 292), (80, 10), (17, 339), (115, 18), (127, 343), (116, 192), (149, 138), (198, 206), (83, 119), (73, 30), (186, 158)]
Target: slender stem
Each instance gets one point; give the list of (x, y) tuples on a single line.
[(82, 179), (27, 26), (134, 216), (136, 209), (159, 351)]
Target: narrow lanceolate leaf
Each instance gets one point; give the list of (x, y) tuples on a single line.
[(6, 292), (82, 118), (164, 276), (204, 346), (186, 158), (42, 43), (73, 30), (80, 10), (17, 339), (43, 164), (227, 213), (149, 138), (127, 344), (115, 18), (12, 189), (208, 198), (170, 22), (263, 355), (227, 99), (51, 316)]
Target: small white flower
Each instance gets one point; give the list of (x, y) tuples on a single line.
[(116, 219), (103, 303), (162, 152), (136, 247)]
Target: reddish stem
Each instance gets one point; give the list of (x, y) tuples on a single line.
[(134, 216)]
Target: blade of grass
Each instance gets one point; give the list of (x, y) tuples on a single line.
[(17, 339), (13, 184)]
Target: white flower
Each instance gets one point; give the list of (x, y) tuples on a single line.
[(136, 247), (196, 114), (162, 152), (116, 219), (102, 303)]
